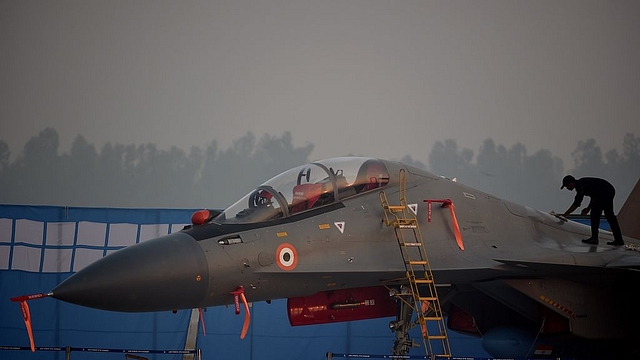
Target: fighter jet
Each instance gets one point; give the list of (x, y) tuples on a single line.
[(351, 238)]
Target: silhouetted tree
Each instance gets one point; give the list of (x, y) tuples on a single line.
[(35, 177), (587, 159), (115, 176), (408, 160), (622, 170), (81, 172), (514, 175), (4, 155), (4, 170), (541, 178), (193, 174), (628, 172), (205, 186), (234, 173), (508, 173), (276, 154), (231, 173), (446, 160)]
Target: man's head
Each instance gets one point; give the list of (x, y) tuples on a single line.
[(569, 182)]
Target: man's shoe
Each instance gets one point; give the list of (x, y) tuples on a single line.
[(616, 242), (591, 241)]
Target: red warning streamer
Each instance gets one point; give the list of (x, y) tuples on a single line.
[(204, 330), (26, 314), (237, 294), (456, 228), (27, 321)]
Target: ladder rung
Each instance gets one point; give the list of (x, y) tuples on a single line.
[(423, 281), (406, 220), (406, 226), (417, 262), (437, 337), (427, 298), (433, 318), (396, 208), (411, 244)]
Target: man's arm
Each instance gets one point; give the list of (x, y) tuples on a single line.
[(586, 210), (571, 209), (577, 201)]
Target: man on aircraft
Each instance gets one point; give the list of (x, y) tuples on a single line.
[(601, 193)]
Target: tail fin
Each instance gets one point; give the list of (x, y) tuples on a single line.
[(630, 214)]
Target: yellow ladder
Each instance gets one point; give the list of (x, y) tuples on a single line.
[(423, 296)]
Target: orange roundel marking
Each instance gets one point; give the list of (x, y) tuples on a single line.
[(286, 257)]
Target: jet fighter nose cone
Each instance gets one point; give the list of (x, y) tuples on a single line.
[(167, 273)]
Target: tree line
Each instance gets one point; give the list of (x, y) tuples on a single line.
[(144, 176), (534, 180)]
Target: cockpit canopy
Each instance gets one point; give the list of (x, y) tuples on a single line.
[(306, 187)]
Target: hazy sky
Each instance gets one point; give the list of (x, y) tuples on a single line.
[(379, 78)]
